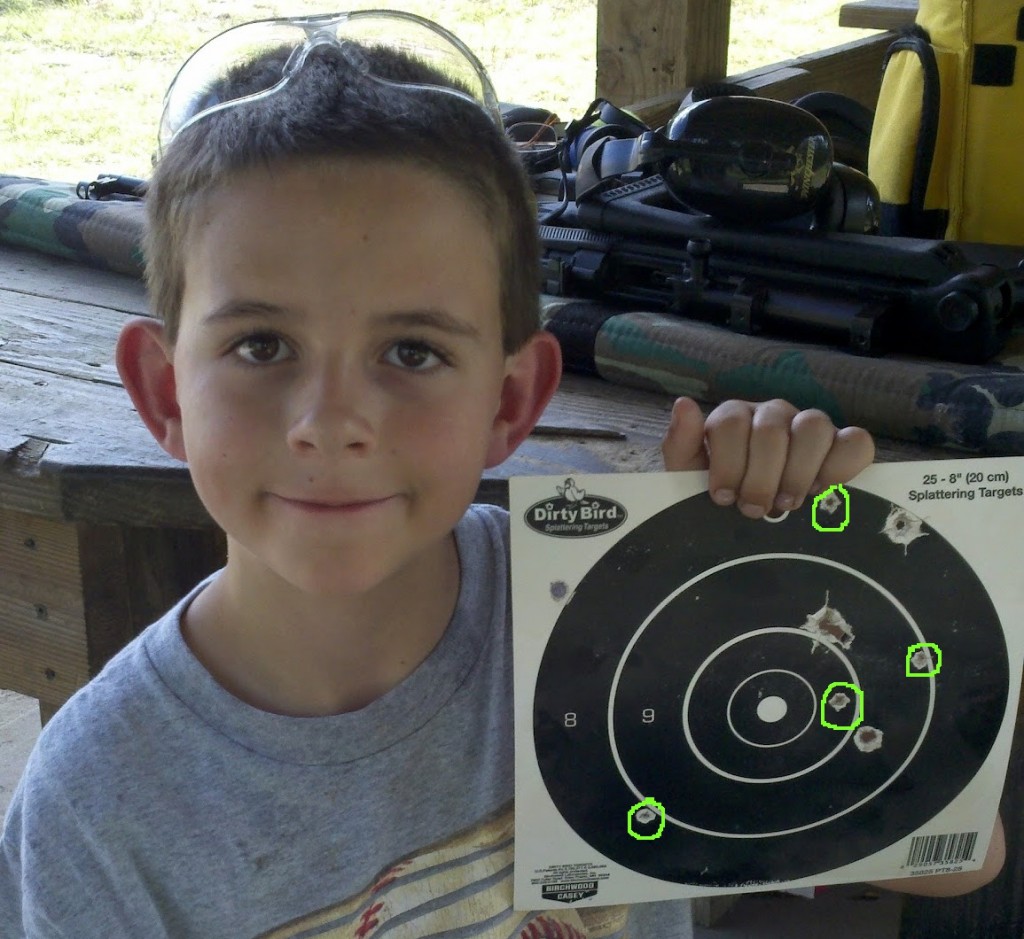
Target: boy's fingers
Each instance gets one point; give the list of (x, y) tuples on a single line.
[(767, 457), (820, 456), (748, 445), (852, 451), (812, 437), (778, 440), (683, 446)]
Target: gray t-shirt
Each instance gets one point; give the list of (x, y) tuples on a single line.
[(157, 804)]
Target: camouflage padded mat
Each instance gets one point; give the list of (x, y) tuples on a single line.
[(49, 217), (973, 409)]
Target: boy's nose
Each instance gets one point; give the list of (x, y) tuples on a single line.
[(335, 412)]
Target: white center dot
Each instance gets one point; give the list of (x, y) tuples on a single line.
[(772, 709)]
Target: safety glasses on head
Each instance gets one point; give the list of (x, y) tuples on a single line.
[(197, 89)]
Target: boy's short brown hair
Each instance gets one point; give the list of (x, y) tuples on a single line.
[(329, 110)]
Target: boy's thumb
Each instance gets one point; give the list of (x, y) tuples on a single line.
[(683, 447)]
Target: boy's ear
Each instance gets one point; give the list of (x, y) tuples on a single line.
[(144, 362), (532, 378)]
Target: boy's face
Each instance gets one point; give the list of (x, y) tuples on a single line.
[(339, 367)]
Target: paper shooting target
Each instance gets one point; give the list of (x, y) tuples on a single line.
[(751, 678)]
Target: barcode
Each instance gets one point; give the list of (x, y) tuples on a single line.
[(942, 849)]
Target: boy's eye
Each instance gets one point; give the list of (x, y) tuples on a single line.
[(262, 349), (415, 356)]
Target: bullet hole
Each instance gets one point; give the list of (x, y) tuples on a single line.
[(902, 528), (868, 739), (838, 701), (831, 503), (829, 625), (922, 661)]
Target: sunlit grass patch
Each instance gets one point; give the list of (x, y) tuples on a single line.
[(81, 82)]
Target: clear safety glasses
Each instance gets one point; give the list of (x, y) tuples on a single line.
[(196, 90)]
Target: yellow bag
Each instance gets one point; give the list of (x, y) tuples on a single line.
[(946, 148)]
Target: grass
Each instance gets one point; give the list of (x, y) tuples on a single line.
[(81, 81)]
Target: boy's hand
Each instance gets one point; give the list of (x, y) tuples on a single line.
[(764, 456)]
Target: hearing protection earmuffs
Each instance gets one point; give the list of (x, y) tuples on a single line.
[(739, 158)]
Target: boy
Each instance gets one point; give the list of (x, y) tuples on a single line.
[(316, 741)]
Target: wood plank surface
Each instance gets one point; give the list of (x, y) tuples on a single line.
[(70, 338), (43, 275)]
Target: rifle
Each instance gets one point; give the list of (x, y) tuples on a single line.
[(872, 294), (110, 186)]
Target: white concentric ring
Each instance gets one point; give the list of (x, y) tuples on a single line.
[(781, 743), (754, 634)]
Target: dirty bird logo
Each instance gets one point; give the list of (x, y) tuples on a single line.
[(574, 514)]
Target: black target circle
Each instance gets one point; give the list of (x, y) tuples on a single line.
[(699, 671)]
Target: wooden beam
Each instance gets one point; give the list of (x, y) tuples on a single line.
[(648, 47), (854, 69), (878, 14)]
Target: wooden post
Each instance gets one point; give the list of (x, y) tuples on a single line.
[(647, 48), (72, 595)]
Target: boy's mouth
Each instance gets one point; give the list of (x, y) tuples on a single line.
[(326, 504)]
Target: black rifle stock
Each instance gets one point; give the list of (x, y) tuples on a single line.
[(869, 293)]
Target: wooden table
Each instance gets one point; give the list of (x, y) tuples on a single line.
[(101, 532)]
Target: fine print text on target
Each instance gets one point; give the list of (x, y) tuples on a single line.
[(975, 484)]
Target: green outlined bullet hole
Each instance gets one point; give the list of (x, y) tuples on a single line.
[(833, 697), (835, 503), (924, 659), (646, 813)]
